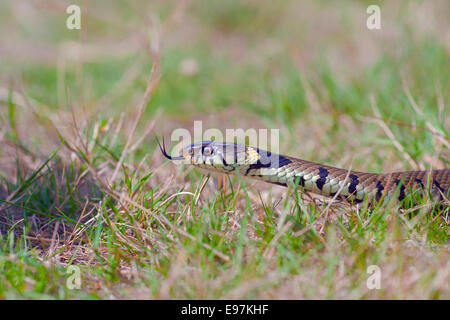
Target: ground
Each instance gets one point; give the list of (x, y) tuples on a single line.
[(83, 184)]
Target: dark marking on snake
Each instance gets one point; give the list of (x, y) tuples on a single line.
[(420, 183), (223, 159), (300, 180), (353, 183), (265, 161), (380, 189), (280, 184), (438, 186), (282, 161), (401, 196), (256, 166), (323, 173), (272, 159)]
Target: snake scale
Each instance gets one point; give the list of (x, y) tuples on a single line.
[(347, 185)]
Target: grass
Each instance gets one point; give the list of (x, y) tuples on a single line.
[(83, 184)]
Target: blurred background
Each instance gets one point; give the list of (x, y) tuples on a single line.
[(308, 68), (341, 94)]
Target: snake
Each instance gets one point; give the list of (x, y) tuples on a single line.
[(342, 184)]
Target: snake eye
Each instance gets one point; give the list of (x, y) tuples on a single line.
[(207, 151)]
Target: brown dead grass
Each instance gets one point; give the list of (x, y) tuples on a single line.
[(63, 245)]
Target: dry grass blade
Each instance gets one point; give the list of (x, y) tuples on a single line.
[(164, 221), (152, 83), (391, 136), (432, 129)]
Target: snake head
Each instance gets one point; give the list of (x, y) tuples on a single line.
[(222, 156), (219, 156)]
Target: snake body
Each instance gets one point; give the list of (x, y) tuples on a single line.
[(351, 186)]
